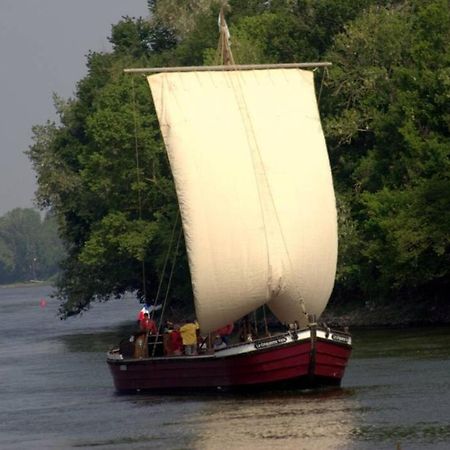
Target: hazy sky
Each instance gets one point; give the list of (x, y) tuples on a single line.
[(43, 44)]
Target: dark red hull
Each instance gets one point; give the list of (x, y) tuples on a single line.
[(290, 360)]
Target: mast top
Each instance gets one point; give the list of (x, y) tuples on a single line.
[(225, 55), (224, 50)]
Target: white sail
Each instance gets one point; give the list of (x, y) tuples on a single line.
[(254, 185)]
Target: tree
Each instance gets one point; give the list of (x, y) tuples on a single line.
[(141, 37), (29, 248), (182, 17), (105, 175), (389, 131)]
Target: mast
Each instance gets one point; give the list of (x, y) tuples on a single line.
[(273, 146), (226, 55)]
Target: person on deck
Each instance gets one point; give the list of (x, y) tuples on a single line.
[(225, 333), (247, 332), (167, 342), (189, 335), (148, 325), (148, 309), (219, 343), (141, 313), (176, 342)]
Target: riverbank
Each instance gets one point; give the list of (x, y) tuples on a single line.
[(371, 315), (25, 284), (356, 314)]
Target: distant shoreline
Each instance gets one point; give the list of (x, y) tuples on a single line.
[(26, 284), (355, 314)]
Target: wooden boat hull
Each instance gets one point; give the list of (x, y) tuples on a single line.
[(293, 360)]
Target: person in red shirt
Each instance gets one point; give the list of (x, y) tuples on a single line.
[(142, 312), (148, 325), (225, 333), (176, 342)]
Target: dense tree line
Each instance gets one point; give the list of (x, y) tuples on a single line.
[(30, 248), (103, 171)]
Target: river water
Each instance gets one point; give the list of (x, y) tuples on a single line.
[(56, 392)]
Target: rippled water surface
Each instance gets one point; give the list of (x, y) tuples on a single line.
[(56, 392)]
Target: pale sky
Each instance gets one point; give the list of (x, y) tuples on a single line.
[(43, 44)]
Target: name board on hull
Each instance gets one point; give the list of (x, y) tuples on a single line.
[(272, 342), (341, 339)]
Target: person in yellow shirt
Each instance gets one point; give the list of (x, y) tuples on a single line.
[(189, 336)]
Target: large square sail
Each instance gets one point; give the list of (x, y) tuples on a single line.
[(254, 185)]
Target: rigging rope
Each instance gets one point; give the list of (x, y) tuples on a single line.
[(167, 290), (165, 266), (144, 290), (138, 177), (266, 327), (324, 72)]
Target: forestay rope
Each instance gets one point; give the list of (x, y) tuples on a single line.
[(169, 250), (138, 178), (158, 332)]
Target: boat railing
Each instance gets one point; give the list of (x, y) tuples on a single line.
[(155, 345)]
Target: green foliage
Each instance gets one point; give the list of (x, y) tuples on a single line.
[(349, 239), (183, 17), (140, 37), (117, 236), (292, 31), (104, 173), (277, 36), (388, 125)]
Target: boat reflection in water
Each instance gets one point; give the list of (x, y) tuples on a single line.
[(322, 420)]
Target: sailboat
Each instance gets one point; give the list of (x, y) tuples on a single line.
[(255, 192)]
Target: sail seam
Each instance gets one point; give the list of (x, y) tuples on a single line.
[(255, 149), (243, 109)]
